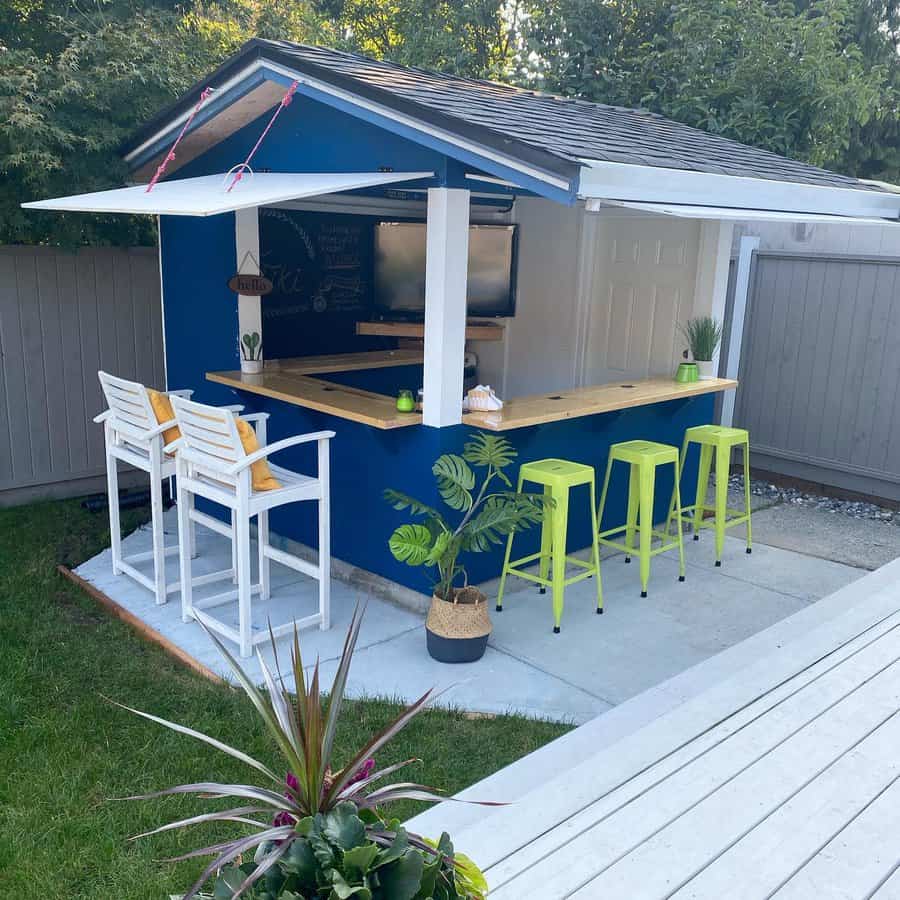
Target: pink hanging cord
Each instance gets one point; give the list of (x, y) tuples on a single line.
[(285, 101), (171, 154)]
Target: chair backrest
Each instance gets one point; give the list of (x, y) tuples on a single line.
[(208, 432), (129, 404)]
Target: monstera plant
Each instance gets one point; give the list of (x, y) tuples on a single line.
[(489, 510), (320, 831)]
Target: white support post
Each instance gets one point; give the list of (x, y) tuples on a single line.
[(446, 276), (246, 245), (748, 246), (713, 260)]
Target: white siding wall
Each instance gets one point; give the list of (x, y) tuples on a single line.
[(874, 240), (599, 299)]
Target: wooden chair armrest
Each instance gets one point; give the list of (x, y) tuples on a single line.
[(187, 393), (270, 449), (103, 416)]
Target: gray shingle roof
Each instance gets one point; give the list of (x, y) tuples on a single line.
[(543, 129)]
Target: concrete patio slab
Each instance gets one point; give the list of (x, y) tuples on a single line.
[(595, 663), (831, 535)]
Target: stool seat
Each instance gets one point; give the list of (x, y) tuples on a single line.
[(557, 476), (717, 434), (716, 443), (643, 457), (647, 452), (557, 473)]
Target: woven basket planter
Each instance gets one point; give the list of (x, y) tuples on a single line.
[(458, 631)]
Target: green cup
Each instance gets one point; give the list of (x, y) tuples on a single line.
[(406, 402)]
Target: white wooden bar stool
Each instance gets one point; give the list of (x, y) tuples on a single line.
[(211, 462), (134, 436)]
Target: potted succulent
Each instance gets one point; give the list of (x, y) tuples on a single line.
[(458, 624), (320, 831), (703, 335), (251, 353)]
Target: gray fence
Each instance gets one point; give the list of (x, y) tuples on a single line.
[(820, 369), (63, 316)]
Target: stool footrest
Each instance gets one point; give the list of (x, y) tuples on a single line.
[(589, 569)]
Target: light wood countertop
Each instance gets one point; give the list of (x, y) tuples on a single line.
[(290, 380), (588, 401), (377, 410)]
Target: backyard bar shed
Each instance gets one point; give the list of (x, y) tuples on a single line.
[(560, 244)]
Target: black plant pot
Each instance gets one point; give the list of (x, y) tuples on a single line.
[(455, 650)]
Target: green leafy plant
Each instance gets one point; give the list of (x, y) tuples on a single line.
[(487, 517), (329, 837), (251, 346), (703, 335)]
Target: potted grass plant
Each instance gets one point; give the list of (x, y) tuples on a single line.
[(458, 624), (251, 353), (703, 335), (321, 830)]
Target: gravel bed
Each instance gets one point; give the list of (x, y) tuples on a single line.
[(856, 509)]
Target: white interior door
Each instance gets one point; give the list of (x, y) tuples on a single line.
[(642, 287)]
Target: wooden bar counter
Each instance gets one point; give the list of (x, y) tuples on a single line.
[(539, 409), (294, 381)]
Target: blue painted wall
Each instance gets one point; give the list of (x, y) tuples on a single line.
[(198, 258), (311, 137)]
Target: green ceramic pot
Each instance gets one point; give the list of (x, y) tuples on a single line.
[(687, 373)]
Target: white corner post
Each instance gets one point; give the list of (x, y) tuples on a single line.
[(748, 246), (446, 276), (246, 245), (713, 260)]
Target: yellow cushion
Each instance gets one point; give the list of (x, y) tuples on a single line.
[(162, 408), (260, 474)]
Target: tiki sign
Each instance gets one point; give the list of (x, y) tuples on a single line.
[(250, 285)]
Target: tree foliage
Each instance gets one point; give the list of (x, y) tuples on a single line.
[(817, 80), (805, 80)]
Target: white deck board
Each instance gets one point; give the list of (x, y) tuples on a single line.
[(764, 784), (742, 740), (851, 862), (889, 889)]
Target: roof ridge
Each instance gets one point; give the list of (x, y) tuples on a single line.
[(452, 76)]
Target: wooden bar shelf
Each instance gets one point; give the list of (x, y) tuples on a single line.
[(479, 331)]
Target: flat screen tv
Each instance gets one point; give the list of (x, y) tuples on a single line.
[(400, 269)]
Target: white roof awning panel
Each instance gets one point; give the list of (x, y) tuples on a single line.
[(730, 214), (208, 195)]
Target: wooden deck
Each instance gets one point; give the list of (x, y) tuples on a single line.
[(781, 779)]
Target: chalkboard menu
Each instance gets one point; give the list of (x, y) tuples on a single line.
[(321, 269)]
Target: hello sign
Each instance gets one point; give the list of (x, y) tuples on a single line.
[(250, 285)]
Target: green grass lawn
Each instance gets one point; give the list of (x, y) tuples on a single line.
[(65, 751)]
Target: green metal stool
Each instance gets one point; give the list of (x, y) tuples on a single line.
[(643, 457), (720, 439), (557, 476)]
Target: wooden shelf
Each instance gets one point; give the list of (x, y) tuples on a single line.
[(588, 401), (482, 331), (345, 362)]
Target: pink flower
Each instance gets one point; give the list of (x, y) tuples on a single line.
[(364, 772)]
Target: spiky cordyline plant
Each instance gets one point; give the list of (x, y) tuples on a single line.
[(304, 734)]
